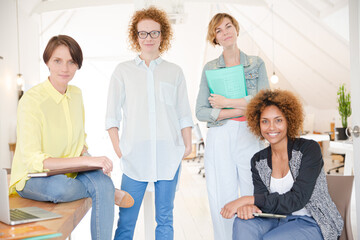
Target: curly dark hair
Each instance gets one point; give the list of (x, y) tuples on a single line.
[(156, 15), (287, 103)]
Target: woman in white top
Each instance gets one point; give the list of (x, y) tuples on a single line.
[(148, 94)]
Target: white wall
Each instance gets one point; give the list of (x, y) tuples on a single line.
[(102, 37), (9, 66), (321, 119)]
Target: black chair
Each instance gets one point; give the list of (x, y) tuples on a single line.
[(337, 167)]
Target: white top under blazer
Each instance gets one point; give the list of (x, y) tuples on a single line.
[(283, 185)]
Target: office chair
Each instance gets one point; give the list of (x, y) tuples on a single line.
[(340, 188), (341, 158)]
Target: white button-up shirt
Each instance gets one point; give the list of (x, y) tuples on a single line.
[(152, 103)]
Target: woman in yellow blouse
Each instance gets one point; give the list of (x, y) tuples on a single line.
[(51, 135)]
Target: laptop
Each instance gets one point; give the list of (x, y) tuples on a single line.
[(19, 215)]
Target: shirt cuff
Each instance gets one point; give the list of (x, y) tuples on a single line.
[(37, 164), (248, 98), (186, 122), (110, 123), (214, 114)]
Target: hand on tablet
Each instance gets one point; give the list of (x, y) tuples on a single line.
[(246, 212)]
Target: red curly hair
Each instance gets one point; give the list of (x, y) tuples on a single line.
[(156, 15), (287, 103)]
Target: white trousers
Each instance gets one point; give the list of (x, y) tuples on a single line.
[(228, 151)]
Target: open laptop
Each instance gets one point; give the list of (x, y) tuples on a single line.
[(19, 215)]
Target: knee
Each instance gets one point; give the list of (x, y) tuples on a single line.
[(164, 216), (103, 183), (238, 228), (62, 193), (245, 229)]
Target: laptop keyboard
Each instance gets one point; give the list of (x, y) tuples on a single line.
[(16, 214)]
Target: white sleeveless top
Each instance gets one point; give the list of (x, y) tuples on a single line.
[(283, 185)]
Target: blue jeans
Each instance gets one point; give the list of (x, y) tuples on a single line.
[(93, 184), (291, 227), (164, 205)]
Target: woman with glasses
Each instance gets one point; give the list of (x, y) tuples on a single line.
[(149, 96), (229, 144)]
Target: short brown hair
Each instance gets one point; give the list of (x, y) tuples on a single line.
[(73, 46), (215, 22), (156, 15), (287, 103)]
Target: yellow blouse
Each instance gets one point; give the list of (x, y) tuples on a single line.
[(49, 124)]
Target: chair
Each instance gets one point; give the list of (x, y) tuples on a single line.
[(340, 188), (340, 158)]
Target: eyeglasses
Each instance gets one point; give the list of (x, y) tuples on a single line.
[(153, 34)]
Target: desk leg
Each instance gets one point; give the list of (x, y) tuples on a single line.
[(149, 216)]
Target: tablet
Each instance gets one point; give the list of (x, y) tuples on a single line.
[(269, 215)]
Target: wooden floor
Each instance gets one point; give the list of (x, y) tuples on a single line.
[(192, 219)]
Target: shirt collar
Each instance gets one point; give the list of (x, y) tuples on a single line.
[(243, 60), (55, 93), (138, 60)]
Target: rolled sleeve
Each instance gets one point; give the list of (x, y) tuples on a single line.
[(110, 123), (204, 111), (183, 106), (36, 162), (116, 98), (248, 98), (186, 122), (214, 114)]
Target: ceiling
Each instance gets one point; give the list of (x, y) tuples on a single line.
[(304, 42)]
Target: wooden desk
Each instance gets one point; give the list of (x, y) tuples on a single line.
[(72, 213)]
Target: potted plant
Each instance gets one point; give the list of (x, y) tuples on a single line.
[(344, 108)]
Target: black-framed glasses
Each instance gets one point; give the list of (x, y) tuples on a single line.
[(153, 34)]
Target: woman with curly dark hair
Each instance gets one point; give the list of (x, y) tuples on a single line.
[(149, 94), (288, 177)]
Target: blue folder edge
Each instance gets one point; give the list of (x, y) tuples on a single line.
[(54, 235)]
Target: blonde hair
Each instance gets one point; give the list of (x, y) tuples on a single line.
[(156, 15), (215, 22)]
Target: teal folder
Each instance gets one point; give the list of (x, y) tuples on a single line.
[(228, 82), (48, 236)]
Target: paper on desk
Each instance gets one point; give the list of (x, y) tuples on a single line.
[(228, 82)]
